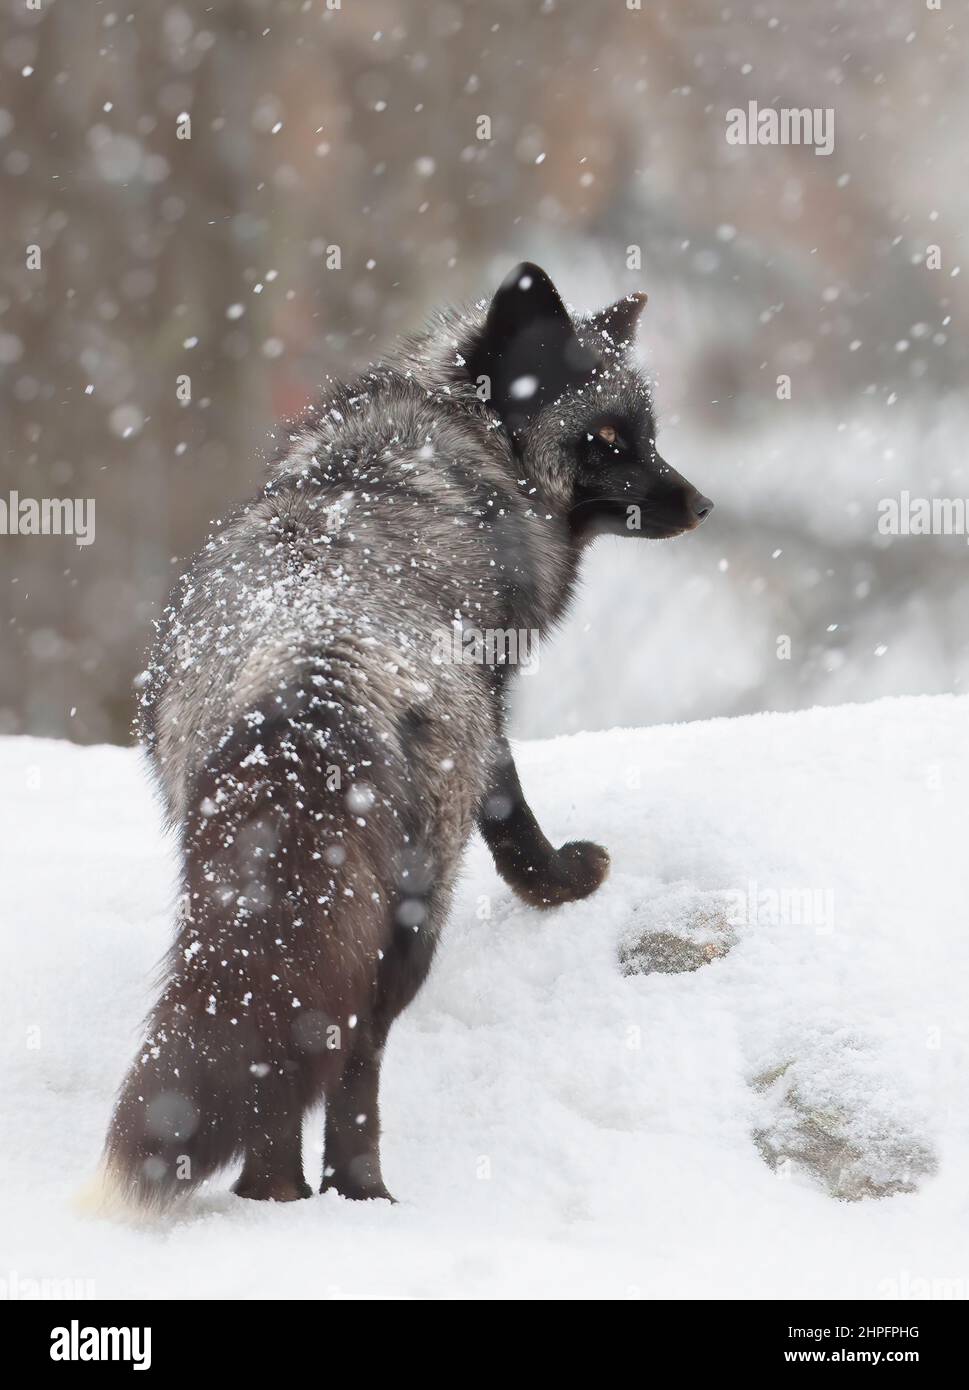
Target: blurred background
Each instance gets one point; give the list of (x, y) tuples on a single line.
[(335, 187)]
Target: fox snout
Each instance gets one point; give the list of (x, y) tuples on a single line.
[(676, 504), (700, 507)]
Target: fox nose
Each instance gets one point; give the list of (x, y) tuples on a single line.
[(701, 507)]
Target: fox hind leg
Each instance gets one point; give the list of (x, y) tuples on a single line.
[(351, 1162), (272, 1169)]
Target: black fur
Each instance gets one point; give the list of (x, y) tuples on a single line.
[(325, 765)]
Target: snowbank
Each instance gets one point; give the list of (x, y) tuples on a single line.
[(557, 1124)]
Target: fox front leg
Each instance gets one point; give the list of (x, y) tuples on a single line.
[(538, 872)]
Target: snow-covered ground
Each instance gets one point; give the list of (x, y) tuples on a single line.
[(555, 1125)]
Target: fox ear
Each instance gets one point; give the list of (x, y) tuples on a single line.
[(619, 321), (528, 352)]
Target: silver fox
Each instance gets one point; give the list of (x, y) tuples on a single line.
[(323, 771)]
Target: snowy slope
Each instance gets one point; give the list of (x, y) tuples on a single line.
[(554, 1126)]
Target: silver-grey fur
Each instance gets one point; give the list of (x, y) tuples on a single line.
[(323, 769)]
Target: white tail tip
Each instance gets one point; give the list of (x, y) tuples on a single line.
[(108, 1197)]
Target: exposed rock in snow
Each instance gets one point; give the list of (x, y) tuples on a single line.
[(678, 930)]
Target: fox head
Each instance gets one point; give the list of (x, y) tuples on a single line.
[(578, 411)]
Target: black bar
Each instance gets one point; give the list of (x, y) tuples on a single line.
[(195, 1338)]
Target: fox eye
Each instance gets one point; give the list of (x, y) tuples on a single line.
[(607, 437), (609, 434)]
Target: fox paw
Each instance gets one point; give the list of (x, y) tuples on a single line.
[(356, 1191), (271, 1189), (573, 872)]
